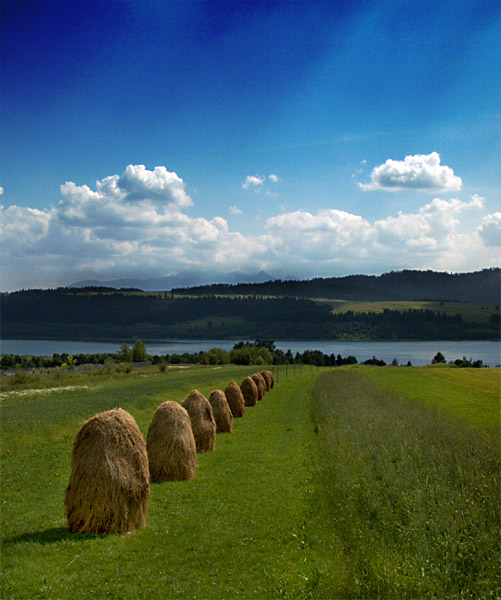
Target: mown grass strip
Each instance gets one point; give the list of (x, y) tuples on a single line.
[(412, 495), (240, 529)]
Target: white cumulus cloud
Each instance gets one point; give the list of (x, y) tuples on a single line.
[(26, 224), (256, 182), (416, 172), (428, 229), (333, 239), (129, 224), (139, 183), (135, 225), (490, 230), (252, 181)]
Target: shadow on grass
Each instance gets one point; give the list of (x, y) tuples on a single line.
[(49, 536)]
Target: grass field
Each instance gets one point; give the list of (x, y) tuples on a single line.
[(238, 530), (474, 312), (411, 493), (455, 391), (335, 486)]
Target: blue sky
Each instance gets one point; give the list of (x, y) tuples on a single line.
[(302, 138)]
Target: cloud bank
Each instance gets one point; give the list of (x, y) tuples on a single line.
[(418, 172), (136, 225)]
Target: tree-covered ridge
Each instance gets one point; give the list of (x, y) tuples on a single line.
[(67, 314), (63, 306), (480, 286)]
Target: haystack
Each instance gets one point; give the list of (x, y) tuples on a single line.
[(249, 391), (268, 378), (235, 399), (202, 421), (260, 384), (109, 488), (222, 413), (171, 445)]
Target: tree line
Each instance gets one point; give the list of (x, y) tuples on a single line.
[(259, 352), (479, 286)]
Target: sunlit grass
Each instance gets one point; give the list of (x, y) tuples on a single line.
[(391, 498), (240, 529), (471, 311), (470, 394), (412, 495)]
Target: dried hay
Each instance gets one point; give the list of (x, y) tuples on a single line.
[(235, 399), (221, 411), (268, 378), (260, 384), (109, 488), (171, 445), (249, 391), (202, 421)]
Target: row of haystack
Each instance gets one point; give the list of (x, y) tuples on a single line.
[(109, 488)]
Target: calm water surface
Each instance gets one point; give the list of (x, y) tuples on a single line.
[(418, 353)]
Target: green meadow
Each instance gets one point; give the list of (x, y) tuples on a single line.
[(475, 312), (354, 482)]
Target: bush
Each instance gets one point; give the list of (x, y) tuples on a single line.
[(375, 362), (438, 358), (20, 377)]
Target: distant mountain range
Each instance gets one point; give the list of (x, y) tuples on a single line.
[(180, 280)]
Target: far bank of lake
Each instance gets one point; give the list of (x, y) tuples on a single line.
[(419, 353)]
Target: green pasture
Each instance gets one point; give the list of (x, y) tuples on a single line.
[(410, 492), (337, 485), (456, 391), (239, 529), (474, 312)]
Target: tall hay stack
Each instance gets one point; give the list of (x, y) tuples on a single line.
[(222, 413), (235, 399), (260, 384), (109, 488), (249, 391), (202, 421), (172, 451), (269, 379)]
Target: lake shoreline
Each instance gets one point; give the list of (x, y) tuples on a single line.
[(418, 352)]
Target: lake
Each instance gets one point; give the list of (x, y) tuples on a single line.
[(418, 353)]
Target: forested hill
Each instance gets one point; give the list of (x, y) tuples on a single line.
[(480, 286), (95, 313)]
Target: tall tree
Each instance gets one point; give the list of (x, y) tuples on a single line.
[(139, 353)]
